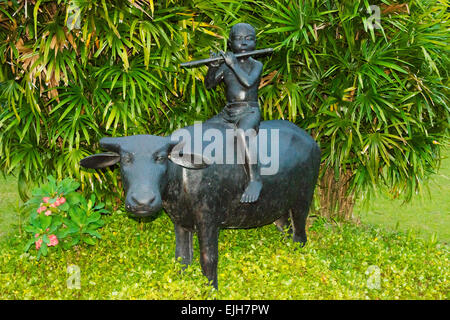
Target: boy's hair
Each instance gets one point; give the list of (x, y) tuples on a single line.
[(241, 24), (235, 27)]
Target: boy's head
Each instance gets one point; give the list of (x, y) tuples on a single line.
[(242, 38)]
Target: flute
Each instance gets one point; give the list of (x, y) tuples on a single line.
[(192, 64)]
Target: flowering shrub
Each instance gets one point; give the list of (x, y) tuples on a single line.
[(61, 216)]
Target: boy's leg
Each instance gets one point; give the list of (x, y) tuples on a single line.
[(250, 121)]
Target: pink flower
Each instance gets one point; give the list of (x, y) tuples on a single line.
[(53, 205), (60, 201), (46, 199), (43, 208), (48, 212), (36, 235), (38, 244), (53, 240)]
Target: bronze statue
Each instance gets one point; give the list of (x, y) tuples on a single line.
[(206, 196), (241, 77)]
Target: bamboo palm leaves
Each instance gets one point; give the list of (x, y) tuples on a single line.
[(373, 92)]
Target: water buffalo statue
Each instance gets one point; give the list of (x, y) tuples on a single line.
[(203, 196)]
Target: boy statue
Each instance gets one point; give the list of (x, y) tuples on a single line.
[(241, 77)]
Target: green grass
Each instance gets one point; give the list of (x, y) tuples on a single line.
[(426, 216), (136, 260), (9, 206)]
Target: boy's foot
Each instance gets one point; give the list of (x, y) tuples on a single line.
[(251, 193)]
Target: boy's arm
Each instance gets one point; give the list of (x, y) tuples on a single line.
[(247, 80), (214, 75)]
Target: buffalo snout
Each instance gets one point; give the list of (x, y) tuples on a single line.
[(143, 204)]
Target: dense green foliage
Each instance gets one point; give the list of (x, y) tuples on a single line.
[(60, 216), (136, 261), (74, 71)]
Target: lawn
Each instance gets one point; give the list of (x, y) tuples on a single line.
[(9, 206), (136, 261), (377, 259), (426, 216)]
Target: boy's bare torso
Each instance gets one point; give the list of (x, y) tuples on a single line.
[(235, 90)]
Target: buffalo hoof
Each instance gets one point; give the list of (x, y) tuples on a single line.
[(301, 240), (251, 193)]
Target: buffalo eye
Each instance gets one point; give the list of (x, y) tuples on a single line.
[(160, 158)]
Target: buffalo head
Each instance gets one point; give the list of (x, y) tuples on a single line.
[(144, 161)]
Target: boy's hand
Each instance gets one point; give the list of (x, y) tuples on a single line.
[(214, 64), (230, 58)]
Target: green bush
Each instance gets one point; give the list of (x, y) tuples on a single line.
[(60, 214), (135, 260), (375, 99)]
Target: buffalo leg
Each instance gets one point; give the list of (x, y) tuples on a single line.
[(298, 217), (300, 211), (183, 247), (283, 223), (208, 238)]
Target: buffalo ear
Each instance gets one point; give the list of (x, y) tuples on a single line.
[(187, 159), (190, 161), (100, 160)]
